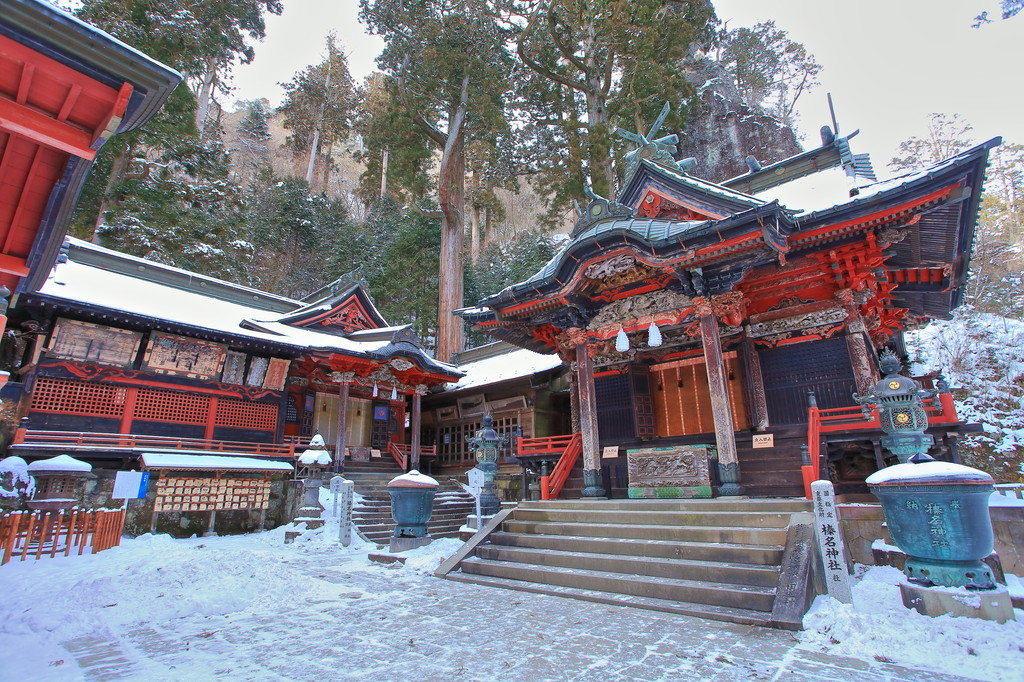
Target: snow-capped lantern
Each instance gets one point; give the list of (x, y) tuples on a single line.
[(60, 482), (316, 456)]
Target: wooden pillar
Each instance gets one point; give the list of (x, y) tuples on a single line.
[(344, 380), (414, 425), (211, 418), (858, 345), (757, 401), (721, 409), (588, 423)]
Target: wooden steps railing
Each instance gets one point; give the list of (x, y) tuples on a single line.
[(127, 441), (940, 410), (568, 449), (37, 534)]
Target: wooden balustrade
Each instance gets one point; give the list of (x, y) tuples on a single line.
[(37, 534), (940, 410), (568, 449), (127, 441)]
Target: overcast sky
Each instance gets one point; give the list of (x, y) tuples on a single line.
[(887, 63)]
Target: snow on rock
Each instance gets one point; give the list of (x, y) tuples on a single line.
[(877, 625), (15, 481), (318, 457), (60, 463)]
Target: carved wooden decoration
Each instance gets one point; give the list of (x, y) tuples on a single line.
[(171, 354), (668, 472), (74, 340)]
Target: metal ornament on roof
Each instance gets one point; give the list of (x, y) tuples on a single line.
[(659, 150), (901, 414)]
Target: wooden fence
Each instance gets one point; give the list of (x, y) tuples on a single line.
[(37, 534)]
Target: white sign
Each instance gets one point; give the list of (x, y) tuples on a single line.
[(830, 541), (343, 489), (610, 451), (476, 481), (130, 485), (764, 440)]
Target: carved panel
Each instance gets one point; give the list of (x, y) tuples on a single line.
[(806, 321), (636, 307), (668, 467)]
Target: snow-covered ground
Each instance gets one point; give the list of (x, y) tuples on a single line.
[(251, 607)]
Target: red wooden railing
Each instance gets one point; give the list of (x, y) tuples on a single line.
[(125, 441), (819, 421), (38, 534), (568, 448)]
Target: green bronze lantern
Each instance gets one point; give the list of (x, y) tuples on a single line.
[(486, 444), (901, 412)]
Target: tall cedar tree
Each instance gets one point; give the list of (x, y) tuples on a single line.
[(319, 108), (450, 64), (397, 154), (607, 63), (189, 36)]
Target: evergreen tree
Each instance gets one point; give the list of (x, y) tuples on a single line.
[(604, 63), (319, 108), (397, 155), (251, 151), (450, 66), (771, 71)]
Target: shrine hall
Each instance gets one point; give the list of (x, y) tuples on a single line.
[(737, 319)]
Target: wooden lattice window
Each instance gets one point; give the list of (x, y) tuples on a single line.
[(64, 396), (167, 406), (682, 400), (243, 415)]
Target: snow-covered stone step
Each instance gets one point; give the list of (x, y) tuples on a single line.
[(698, 551), (687, 569), (774, 537), (746, 597), (719, 613)]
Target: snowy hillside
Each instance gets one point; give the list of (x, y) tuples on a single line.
[(982, 357)]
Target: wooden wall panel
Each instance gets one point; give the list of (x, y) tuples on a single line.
[(682, 399)]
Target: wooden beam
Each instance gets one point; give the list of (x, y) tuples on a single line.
[(414, 427), (341, 437), (13, 265), (588, 413), (19, 210), (18, 119)]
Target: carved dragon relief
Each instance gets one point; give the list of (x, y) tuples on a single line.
[(638, 307), (807, 321)]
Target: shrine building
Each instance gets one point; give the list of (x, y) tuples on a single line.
[(737, 319)]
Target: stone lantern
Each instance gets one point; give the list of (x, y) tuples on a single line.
[(486, 444), (312, 463), (901, 412), (60, 482)]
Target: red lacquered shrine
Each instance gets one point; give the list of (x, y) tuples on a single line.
[(703, 315)]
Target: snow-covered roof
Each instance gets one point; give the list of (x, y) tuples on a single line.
[(190, 462), (518, 363), (59, 463), (193, 300)]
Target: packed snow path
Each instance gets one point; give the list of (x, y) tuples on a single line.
[(253, 608)]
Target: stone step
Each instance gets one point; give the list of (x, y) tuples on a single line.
[(738, 504), (721, 552), (675, 589), (647, 517), (680, 569), (718, 613), (734, 535)]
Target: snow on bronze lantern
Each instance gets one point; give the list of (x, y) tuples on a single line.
[(901, 412)]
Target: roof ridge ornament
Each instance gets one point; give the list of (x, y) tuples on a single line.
[(657, 150), (598, 209)]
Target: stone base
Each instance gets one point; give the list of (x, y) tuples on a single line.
[(405, 544), (659, 492), (290, 535), (477, 522), (387, 559), (937, 601)]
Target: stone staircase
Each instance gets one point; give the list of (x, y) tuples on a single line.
[(372, 516), (743, 561)]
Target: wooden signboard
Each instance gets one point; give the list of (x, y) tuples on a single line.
[(211, 494), (76, 340), (257, 371), (277, 372), (764, 440), (171, 354), (234, 368)]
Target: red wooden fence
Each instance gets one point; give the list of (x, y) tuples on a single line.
[(37, 534)]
